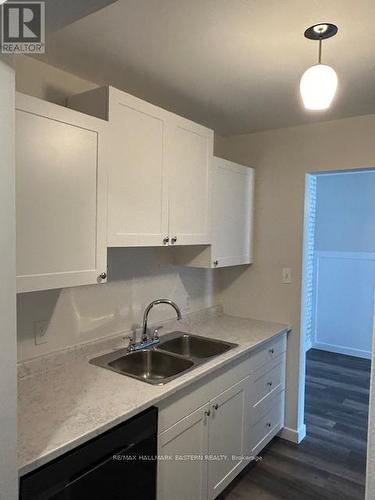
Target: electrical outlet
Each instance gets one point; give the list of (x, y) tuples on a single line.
[(40, 332), (286, 275)]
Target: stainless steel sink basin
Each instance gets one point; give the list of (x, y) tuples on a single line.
[(152, 366), (193, 346), (177, 353)]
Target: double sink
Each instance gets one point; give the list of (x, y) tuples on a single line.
[(177, 353)]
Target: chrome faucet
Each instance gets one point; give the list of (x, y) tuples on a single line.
[(147, 339)]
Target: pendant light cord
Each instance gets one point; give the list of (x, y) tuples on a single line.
[(320, 51)]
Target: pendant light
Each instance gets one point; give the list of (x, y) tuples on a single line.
[(319, 83)]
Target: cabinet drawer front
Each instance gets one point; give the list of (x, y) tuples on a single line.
[(268, 352), (268, 382), (269, 425), (262, 407), (187, 400)]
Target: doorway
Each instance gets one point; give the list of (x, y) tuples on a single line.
[(337, 317)]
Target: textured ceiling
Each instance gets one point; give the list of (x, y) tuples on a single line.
[(233, 65)]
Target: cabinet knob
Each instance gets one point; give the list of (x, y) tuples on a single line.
[(272, 351), (173, 240), (215, 406), (216, 263), (207, 413), (268, 425), (166, 240), (269, 384), (103, 276)]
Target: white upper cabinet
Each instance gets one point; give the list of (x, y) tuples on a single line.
[(190, 177), (137, 188), (159, 173), (60, 197), (231, 220)]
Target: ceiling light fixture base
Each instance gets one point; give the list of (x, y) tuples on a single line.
[(321, 31)]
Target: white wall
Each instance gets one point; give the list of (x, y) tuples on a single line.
[(345, 212), (41, 80), (8, 387), (344, 262), (136, 276), (281, 159)]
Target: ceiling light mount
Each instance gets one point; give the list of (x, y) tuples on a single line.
[(321, 31)]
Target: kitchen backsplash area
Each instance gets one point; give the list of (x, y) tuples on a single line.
[(77, 315)]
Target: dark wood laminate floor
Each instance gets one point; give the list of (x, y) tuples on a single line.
[(330, 464)]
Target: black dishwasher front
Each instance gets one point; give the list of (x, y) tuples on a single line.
[(118, 465)]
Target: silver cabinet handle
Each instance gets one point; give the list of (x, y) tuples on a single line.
[(173, 240), (103, 276), (166, 240)]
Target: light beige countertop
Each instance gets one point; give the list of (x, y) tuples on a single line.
[(64, 401)]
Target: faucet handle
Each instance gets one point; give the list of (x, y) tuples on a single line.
[(131, 339), (155, 334)]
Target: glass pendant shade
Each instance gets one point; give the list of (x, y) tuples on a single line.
[(318, 87)]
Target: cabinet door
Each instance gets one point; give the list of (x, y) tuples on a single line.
[(227, 436), (137, 196), (232, 214), (182, 468), (190, 154), (60, 197)]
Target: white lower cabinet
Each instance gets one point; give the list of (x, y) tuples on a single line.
[(181, 473), (209, 431), (226, 432), (201, 454)]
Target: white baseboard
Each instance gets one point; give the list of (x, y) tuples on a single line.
[(295, 436), (358, 353)]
